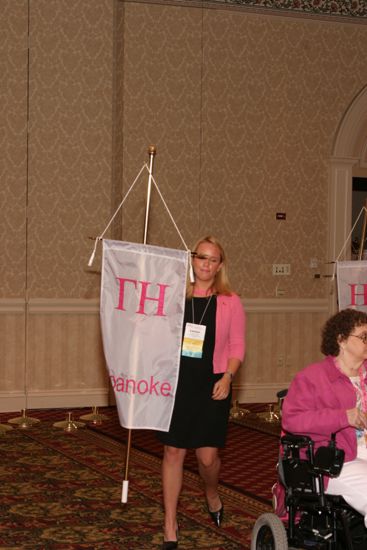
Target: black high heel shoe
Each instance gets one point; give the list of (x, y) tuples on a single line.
[(170, 544), (217, 516)]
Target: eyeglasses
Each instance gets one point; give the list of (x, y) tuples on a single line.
[(210, 259), (362, 337)]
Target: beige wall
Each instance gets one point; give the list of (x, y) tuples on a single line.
[(56, 174), (243, 108)]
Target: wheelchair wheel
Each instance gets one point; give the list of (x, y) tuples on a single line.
[(269, 534)]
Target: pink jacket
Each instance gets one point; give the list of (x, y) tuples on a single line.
[(316, 405), (229, 331)]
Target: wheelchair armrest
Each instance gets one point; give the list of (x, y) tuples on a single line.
[(281, 394), (328, 461), (292, 440)]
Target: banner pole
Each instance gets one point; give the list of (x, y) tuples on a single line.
[(125, 483), (152, 152), (363, 236)]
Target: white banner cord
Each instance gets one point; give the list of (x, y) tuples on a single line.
[(91, 259), (363, 209), (169, 213), (192, 277), (100, 237)]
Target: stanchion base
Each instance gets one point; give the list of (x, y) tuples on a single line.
[(95, 417), (24, 422), (5, 428), (270, 416), (237, 412), (69, 425)]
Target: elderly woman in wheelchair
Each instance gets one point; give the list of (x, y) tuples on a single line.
[(322, 489)]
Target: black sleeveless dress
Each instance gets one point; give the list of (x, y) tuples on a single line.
[(197, 419)]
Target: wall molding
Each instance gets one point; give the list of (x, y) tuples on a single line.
[(274, 305), (64, 399), (55, 399), (49, 305), (63, 305), (54, 306), (12, 305), (257, 393)]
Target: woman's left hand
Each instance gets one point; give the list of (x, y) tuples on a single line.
[(222, 388)]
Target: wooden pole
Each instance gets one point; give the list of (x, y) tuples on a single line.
[(125, 484)]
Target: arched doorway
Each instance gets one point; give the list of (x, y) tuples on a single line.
[(349, 151)]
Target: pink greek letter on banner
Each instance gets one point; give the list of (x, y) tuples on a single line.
[(352, 285), (143, 291)]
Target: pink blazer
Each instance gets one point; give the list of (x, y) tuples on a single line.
[(316, 405), (229, 331)]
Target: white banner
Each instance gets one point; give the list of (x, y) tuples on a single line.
[(352, 284), (143, 292)]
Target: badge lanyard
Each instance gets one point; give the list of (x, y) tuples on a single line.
[(193, 340), (206, 307)]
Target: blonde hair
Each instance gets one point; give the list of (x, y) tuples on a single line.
[(221, 283)]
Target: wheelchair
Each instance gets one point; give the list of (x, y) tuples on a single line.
[(305, 517)]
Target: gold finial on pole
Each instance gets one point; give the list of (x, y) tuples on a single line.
[(152, 150)]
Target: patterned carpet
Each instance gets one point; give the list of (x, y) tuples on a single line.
[(240, 457), (62, 490)]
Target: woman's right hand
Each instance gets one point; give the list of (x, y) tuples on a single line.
[(357, 418)]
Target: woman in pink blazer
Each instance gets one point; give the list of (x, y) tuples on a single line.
[(331, 397)]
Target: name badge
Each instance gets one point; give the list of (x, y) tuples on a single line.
[(193, 340)]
